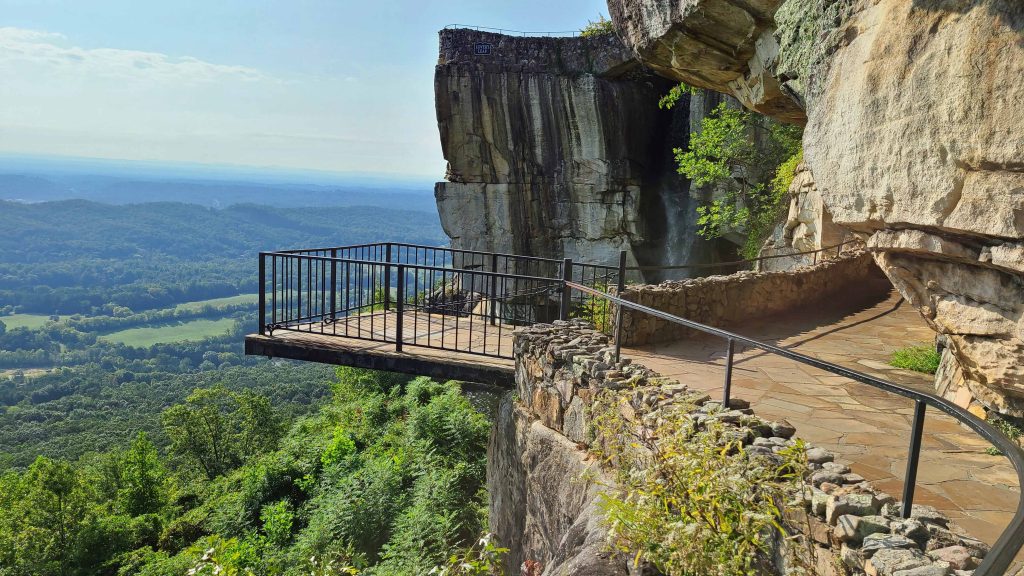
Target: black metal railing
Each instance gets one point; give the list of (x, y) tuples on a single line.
[(731, 267), (1010, 541), (464, 297), (507, 32), (433, 297)]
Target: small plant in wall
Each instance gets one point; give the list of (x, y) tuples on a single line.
[(690, 500), (598, 27)]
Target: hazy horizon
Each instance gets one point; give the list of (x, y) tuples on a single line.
[(313, 85)]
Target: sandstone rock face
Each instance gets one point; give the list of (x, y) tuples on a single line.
[(557, 148), (542, 507), (808, 227), (913, 136), (724, 46)]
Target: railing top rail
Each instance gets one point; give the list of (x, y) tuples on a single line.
[(487, 273), (1010, 541), (740, 262), (328, 249), (444, 249), (507, 32)]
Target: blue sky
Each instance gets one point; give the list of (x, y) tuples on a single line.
[(340, 85)]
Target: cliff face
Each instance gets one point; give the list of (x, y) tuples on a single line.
[(556, 147), (913, 138)]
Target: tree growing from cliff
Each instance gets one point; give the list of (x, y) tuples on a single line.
[(740, 153), (598, 27), (668, 101)]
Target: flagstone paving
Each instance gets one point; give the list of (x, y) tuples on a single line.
[(865, 427)]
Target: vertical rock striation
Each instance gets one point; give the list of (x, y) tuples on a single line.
[(556, 147)]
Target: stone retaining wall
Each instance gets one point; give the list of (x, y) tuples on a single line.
[(544, 482), (722, 301)]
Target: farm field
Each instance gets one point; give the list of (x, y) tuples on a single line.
[(180, 332), (30, 321), (220, 302)]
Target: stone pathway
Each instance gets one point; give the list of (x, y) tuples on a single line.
[(867, 428)]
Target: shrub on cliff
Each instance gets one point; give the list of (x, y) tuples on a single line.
[(749, 159), (598, 27), (691, 500)]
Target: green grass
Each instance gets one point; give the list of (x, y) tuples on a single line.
[(220, 302), (182, 332), (30, 321), (921, 358)]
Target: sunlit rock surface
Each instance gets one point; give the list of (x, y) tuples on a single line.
[(914, 137), (557, 148)]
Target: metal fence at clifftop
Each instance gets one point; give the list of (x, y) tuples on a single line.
[(313, 290)]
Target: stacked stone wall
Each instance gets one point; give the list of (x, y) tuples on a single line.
[(722, 301), (545, 483)]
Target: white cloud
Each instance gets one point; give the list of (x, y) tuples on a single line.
[(59, 98), (49, 49)]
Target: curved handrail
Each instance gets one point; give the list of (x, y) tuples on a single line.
[(999, 558), (749, 261), (551, 34)]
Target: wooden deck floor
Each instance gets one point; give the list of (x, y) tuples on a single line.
[(368, 341)]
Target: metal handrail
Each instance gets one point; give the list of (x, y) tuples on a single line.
[(748, 261), (1010, 541), (442, 248), (552, 34)]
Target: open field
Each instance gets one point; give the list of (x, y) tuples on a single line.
[(168, 333), (220, 302), (27, 372), (30, 321)]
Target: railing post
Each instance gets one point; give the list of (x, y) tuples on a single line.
[(563, 312), (399, 305), (494, 289), (334, 284), (728, 373), (910, 479), (619, 309), (263, 294), (387, 278)]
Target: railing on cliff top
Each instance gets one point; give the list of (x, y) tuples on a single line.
[(378, 287), (1002, 554), (553, 34)]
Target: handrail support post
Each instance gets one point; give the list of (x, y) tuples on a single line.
[(727, 390), (619, 309), (263, 294), (563, 312), (399, 305), (910, 479), (334, 285), (494, 289), (387, 277)]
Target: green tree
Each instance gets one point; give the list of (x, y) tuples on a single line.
[(143, 479), (740, 152), (669, 101), (598, 27), (3, 327), (216, 430), (55, 508)]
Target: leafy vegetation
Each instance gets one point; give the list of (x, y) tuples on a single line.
[(1010, 427), (747, 158), (692, 501), (598, 27), (387, 478), (921, 358), (669, 101), (81, 257)]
